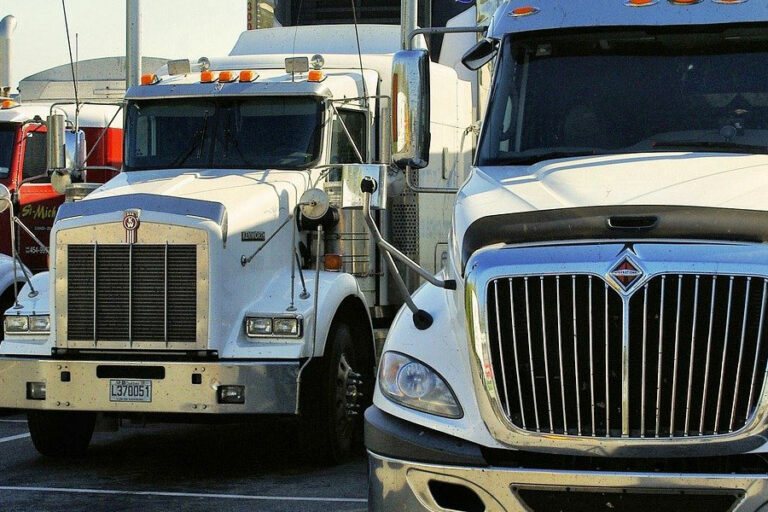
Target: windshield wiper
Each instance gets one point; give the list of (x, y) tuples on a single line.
[(197, 144), (538, 157), (721, 146)]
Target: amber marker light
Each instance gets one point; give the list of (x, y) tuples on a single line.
[(247, 75), (315, 75), (684, 2), (226, 76), (524, 11), (207, 77), (641, 3), (149, 79), (8, 104), (333, 262)]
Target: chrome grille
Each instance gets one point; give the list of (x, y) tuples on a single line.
[(131, 293), (682, 356)]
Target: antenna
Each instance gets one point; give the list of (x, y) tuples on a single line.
[(295, 33), (359, 55), (71, 63)]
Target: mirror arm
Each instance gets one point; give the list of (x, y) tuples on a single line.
[(442, 30), (425, 190)]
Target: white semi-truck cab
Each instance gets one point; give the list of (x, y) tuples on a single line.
[(227, 271), (605, 345)]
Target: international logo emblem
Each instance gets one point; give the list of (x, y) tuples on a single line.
[(131, 225), (626, 273)]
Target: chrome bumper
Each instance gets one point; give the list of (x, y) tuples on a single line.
[(402, 485), (177, 387)]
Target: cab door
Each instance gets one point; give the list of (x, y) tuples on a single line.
[(37, 201)]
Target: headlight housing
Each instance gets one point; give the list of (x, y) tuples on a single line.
[(273, 326), (413, 384), (15, 324)]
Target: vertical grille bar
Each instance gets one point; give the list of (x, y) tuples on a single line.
[(709, 356), (661, 354), (165, 294), (675, 357), (607, 370), (576, 358), (501, 348), (591, 362), (514, 346), (95, 301), (741, 354), (546, 354), (130, 294), (695, 315), (530, 355), (753, 381), (560, 354), (643, 366), (725, 355)]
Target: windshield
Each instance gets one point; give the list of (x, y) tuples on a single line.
[(627, 93), (7, 136), (254, 133)]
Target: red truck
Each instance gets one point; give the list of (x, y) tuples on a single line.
[(23, 170)]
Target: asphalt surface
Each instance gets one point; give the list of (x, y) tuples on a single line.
[(175, 467)]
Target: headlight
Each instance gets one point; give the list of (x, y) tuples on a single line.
[(17, 323), (413, 384), (40, 323), (273, 326)]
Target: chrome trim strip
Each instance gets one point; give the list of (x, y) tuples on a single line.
[(709, 356), (692, 357), (546, 355), (501, 348), (661, 354), (741, 354), (591, 363), (759, 344), (607, 369), (642, 378), (576, 354), (530, 355), (725, 352), (514, 343), (560, 354), (675, 358)]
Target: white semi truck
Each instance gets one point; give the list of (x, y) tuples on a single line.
[(598, 336), (227, 271)]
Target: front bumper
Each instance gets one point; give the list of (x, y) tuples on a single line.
[(177, 387), (413, 469)]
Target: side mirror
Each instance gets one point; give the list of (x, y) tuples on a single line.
[(65, 152), (480, 54), (410, 110), (351, 177)]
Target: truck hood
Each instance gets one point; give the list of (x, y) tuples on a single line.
[(250, 197), (714, 180)]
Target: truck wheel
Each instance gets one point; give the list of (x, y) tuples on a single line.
[(334, 401), (57, 433)]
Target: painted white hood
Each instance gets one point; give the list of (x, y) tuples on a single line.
[(250, 197), (670, 179)]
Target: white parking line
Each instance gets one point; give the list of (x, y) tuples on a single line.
[(13, 421), (181, 494), (13, 438)]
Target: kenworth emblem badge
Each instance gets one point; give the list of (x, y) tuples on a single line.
[(131, 225), (626, 273)]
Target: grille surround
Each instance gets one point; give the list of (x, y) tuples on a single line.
[(147, 323), (596, 259)]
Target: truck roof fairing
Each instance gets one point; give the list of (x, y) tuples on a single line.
[(235, 89), (576, 14)]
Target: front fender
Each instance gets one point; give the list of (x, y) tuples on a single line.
[(7, 273), (445, 348), (333, 288)]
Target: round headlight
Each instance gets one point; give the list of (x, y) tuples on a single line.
[(414, 380)]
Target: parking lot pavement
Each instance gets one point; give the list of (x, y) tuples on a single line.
[(175, 467)]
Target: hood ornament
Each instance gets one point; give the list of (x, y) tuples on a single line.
[(131, 225), (626, 272)]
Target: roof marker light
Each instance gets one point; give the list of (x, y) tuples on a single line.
[(8, 104), (248, 75), (149, 79), (684, 2), (641, 3), (226, 76), (729, 1), (523, 11), (207, 76)]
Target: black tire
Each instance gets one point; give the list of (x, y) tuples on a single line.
[(334, 396), (56, 433)]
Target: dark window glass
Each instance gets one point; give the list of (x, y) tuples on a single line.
[(342, 151), (34, 156), (257, 133), (601, 94), (7, 136)]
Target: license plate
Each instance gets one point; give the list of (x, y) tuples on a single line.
[(124, 390)]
